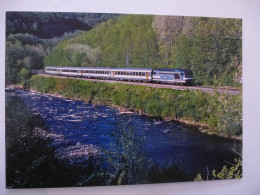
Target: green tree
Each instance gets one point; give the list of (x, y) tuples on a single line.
[(126, 159), (232, 172)]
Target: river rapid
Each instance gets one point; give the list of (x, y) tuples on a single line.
[(77, 125)]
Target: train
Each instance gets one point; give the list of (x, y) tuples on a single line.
[(162, 75)]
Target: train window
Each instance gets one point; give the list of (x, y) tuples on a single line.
[(176, 76), (143, 74)]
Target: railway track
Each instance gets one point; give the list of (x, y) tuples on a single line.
[(212, 90)]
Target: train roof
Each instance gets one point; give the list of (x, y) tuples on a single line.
[(83, 68), (132, 69), (122, 69), (171, 69), (102, 68)]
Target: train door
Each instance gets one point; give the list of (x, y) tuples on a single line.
[(81, 73)]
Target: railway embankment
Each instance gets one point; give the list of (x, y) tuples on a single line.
[(218, 113)]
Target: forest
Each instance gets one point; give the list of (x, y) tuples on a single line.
[(210, 47)]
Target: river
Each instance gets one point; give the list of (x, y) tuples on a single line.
[(81, 124)]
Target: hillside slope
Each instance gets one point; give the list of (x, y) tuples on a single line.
[(210, 47)]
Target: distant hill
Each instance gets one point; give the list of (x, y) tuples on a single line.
[(49, 24)]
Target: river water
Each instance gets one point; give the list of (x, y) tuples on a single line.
[(80, 123)]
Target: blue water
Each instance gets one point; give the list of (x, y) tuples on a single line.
[(82, 123)]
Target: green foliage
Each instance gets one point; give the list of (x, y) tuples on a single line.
[(26, 153), (25, 75), (229, 122), (23, 51), (221, 112), (30, 157), (233, 172), (212, 50), (125, 157), (126, 42), (210, 47)]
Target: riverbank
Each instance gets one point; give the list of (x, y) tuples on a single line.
[(218, 114)]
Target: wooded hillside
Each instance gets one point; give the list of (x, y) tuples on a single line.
[(210, 47)]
